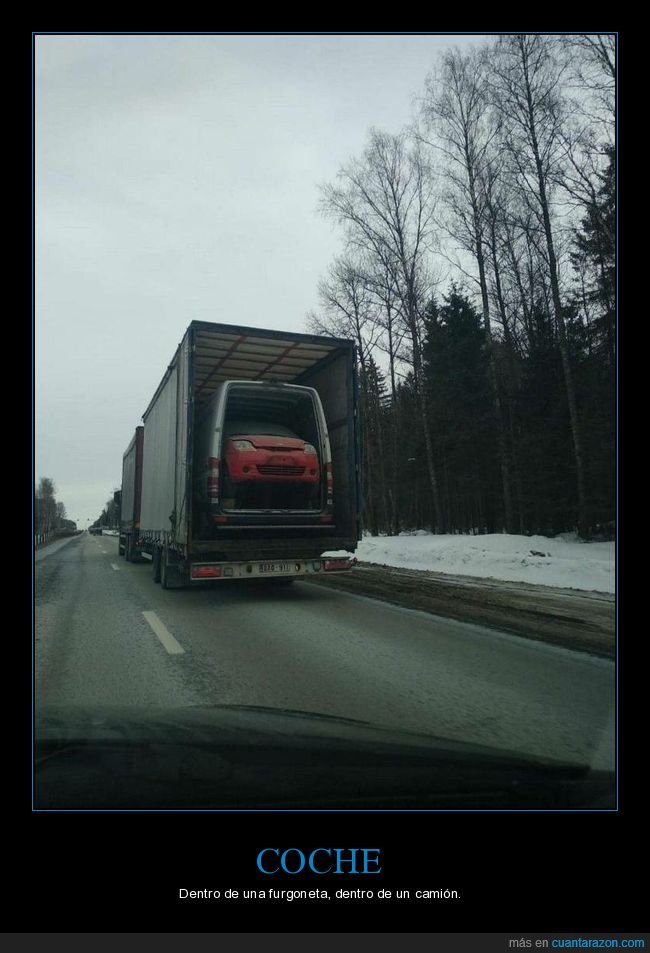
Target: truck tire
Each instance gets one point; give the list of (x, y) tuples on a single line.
[(170, 577), (164, 570), (156, 561), (127, 549)]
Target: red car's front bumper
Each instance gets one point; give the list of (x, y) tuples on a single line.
[(262, 466)]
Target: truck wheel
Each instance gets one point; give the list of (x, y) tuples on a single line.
[(156, 561), (170, 577), (164, 570), (120, 549), (128, 554)]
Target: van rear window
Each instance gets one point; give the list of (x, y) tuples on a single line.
[(234, 427), (268, 410)]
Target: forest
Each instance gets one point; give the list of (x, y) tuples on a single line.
[(49, 515), (477, 276)]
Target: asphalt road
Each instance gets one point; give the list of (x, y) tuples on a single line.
[(107, 635)]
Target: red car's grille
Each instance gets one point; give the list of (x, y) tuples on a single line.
[(280, 471)]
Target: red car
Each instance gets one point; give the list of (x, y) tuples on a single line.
[(258, 453)]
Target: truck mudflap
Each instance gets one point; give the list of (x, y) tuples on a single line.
[(279, 568)]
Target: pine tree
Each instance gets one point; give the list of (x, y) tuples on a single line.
[(459, 389)]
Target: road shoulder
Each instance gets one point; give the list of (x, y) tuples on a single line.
[(582, 621)]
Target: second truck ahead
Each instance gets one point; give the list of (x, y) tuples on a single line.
[(248, 462)]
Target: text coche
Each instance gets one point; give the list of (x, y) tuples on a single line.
[(321, 860)]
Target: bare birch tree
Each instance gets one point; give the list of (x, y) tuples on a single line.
[(348, 310), (384, 201), (456, 110), (527, 89), (46, 511)]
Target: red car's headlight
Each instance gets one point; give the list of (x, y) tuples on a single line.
[(242, 445), (310, 449)]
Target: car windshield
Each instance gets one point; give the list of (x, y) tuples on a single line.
[(410, 554)]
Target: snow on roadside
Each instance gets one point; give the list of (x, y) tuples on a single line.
[(563, 561)]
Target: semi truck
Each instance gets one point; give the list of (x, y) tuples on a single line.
[(247, 465), (131, 497)]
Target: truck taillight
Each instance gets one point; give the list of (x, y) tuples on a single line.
[(213, 478), (329, 480), (206, 572), (346, 562)]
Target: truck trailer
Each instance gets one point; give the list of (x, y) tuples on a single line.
[(131, 498), (248, 458)]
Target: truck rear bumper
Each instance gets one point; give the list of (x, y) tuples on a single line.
[(272, 569)]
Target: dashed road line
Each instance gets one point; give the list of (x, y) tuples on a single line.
[(165, 636), (116, 568)]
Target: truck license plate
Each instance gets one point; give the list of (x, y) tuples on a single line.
[(275, 567)]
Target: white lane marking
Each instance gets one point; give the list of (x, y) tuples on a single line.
[(116, 568), (103, 551), (163, 634)]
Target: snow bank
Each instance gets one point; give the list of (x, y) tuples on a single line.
[(563, 561)]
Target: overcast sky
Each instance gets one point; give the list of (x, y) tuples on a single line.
[(177, 179)]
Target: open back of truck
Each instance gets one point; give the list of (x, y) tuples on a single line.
[(209, 355)]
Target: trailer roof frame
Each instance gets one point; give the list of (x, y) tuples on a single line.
[(255, 354)]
